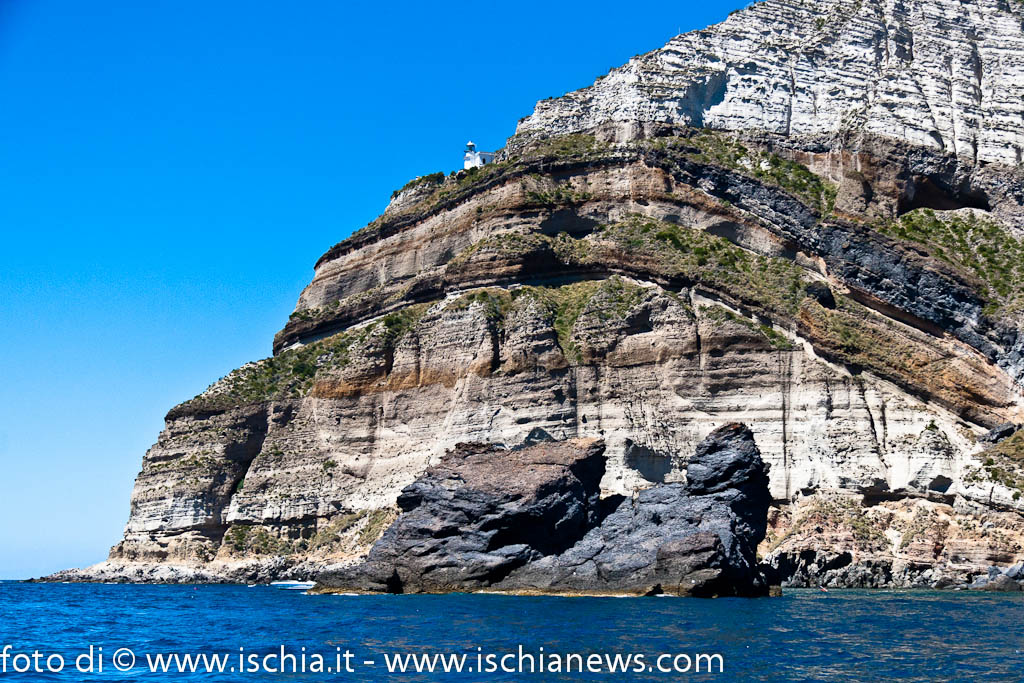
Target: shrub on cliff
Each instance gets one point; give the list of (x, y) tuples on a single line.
[(974, 245)]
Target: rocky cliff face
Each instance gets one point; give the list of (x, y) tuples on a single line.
[(808, 219), (940, 74)]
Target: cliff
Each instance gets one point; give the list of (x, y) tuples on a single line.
[(808, 219), (943, 75)]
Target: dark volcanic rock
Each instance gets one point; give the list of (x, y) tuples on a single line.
[(481, 513), (698, 538), (1003, 431), (529, 521)]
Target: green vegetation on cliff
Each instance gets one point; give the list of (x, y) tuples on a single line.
[(608, 300), (864, 340), (1004, 462), (247, 540), (537, 158), (774, 284), (719, 314), (522, 244), (363, 528), (615, 298), (836, 515), (576, 145), (429, 179), (974, 245), (771, 285), (290, 374), (494, 300), (366, 525), (724, 149), (565, 304), (559, 194)]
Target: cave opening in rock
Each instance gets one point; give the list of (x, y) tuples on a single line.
[(569, 222), (924, 192)]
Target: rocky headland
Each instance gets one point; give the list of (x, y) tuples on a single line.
[(808, 219)]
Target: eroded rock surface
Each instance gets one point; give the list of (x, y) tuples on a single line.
[(695, 538), (941, 74), (530, 521), (481, 513)]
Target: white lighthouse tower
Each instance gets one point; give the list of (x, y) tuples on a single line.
[(474, 158)]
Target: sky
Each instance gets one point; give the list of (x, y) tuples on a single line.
[(171, 171)]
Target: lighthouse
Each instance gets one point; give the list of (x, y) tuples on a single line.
[(473, 158)]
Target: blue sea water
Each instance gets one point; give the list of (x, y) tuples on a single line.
[(803, 636)]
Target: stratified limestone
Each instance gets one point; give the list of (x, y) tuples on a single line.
[(940, 74)]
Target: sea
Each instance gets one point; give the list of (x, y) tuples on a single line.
[(90, 632)]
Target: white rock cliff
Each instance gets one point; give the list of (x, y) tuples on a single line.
[(942, 74)]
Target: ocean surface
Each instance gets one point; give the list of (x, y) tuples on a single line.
[(803, 636)]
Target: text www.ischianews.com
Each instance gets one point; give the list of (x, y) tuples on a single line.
[(342, 662)]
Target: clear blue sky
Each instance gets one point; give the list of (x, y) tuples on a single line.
[(169, 173)]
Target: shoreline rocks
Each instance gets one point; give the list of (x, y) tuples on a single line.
[(481, 513), (810, 569), (530, 521)]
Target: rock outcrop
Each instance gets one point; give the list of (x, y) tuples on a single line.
[(482, 513), (530, 521), (807, 219), (696, 538)]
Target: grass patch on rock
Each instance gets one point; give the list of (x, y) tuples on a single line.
[(376, 522), (494, 300), (1004, 462), (429, 179), (865, 341), (607, 300), (565, 304), (972, 244), (838, 515), (291, 373), (538, 157), (573, 145), (771, 283), (776, 339), (242, 539), (722, 149)]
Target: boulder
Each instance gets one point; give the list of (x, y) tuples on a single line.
[(697, 538), (1001, 583), (1015, 572), (1003, 431), (481, 513), (530, 521)]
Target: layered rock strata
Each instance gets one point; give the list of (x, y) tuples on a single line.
[(943, 75)]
